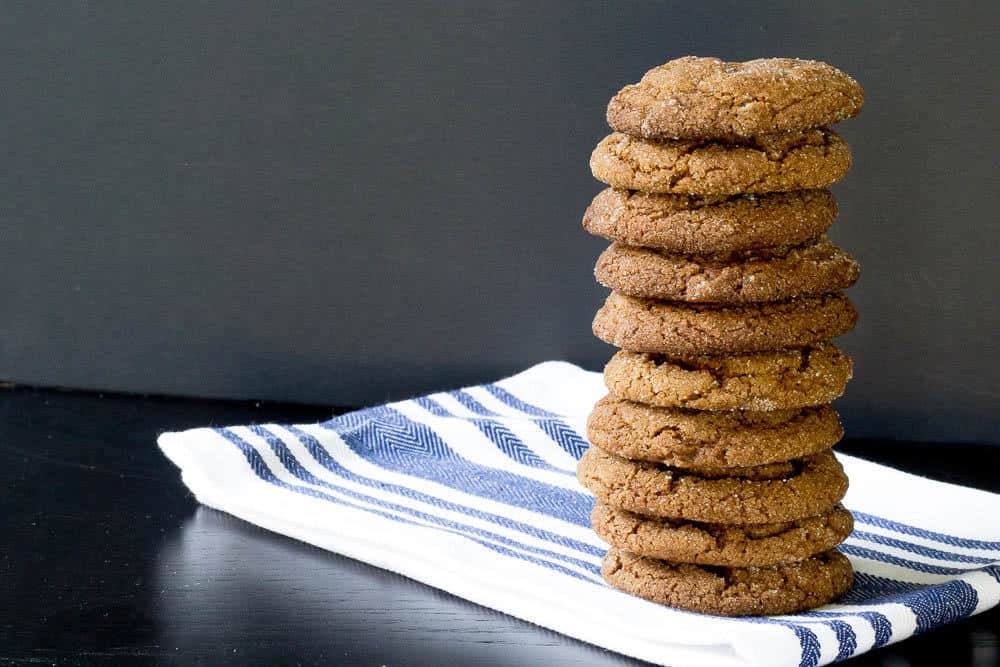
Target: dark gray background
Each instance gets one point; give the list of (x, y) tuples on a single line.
[(340, 203)]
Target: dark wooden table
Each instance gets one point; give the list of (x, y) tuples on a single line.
[(105, 558)]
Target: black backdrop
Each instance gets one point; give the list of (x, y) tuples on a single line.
[(345, 202)]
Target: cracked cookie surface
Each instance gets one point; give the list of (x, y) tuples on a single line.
[(806, 487), (707, 98), (768, 163), (685, 329), (719, 226), (721, 544), (792, 378), (698, 439), (732, 591), (818, 268)]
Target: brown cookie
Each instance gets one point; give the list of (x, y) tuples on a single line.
[(732, 591), (721, 544), (681, 330), (694, 438), (768, 163), (818, 268), (706, 98), (791, 378), (713, 225), (764, 494)]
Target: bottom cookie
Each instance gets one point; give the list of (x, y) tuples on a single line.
[(732, 591)]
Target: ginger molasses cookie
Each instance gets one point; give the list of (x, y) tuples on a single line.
[(722, 544), (792, 378), (719, 226), (732, 591), (761, 494), (707, 98), (694, 438), (818, 268), (686, 329), (767, 163)]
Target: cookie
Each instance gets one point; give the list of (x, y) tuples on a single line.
[(714, 225), (687, 329), (694, 438), (791, 378), (758, 473), (764, 494), (768, 163), (818, 268), (707, 98), (721, 544), (732, 591)]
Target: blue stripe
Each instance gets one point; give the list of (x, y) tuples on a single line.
[(388, 439), (471, 404), (932, 605), (846, 638), (919, 548), (558, 430), (263, 472), (502, 438), (431, 406), (876, 589), (808, 641), (941, 604), (881, 625), (353, 419), (295, 468), (565, 436), (914, 531), (323, 458), (512, 446), (513, 401), (871, 554)]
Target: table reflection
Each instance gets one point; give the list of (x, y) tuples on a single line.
[(231, 589)]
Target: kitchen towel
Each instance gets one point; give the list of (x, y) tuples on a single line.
[(474, 492)]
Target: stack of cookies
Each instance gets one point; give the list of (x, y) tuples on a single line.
[(711, 461)]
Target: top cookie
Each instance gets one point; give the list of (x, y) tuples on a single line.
[(707, 98)]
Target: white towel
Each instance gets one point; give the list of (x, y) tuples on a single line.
[(473, 492)]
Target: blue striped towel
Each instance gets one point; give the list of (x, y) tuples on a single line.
[(473, 492)]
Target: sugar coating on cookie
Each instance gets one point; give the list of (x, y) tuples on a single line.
[(721, 544), (693, 438), (732, 591), (791, 378), (707, 98), (720, 226), (683, 329), (817, 268), (805, 487), (767, 163)]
